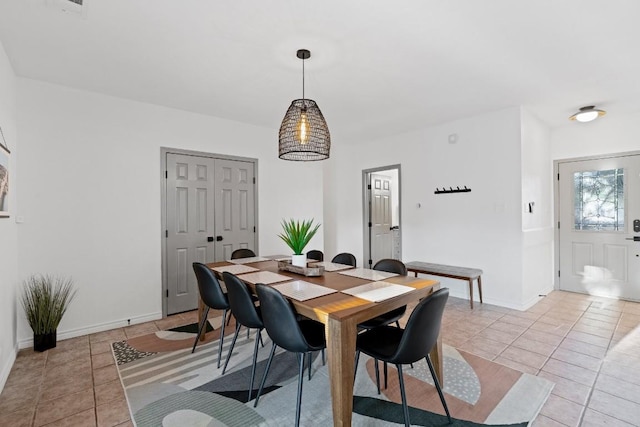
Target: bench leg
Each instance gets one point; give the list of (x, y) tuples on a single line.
[(480, 288), (471, 293)]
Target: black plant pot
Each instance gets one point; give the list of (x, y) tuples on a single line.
[(43, 342)]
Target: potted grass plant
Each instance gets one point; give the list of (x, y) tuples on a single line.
[(45, 299), (297, 234)]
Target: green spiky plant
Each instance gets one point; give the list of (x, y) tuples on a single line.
[(297, 234), (45, 299)]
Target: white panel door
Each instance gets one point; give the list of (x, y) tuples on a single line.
[(381, 235), (190, 222), (599, 201), (235, 207)]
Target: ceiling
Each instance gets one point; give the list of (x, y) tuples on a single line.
[(377, 68)]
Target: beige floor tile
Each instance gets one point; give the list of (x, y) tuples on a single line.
[(112, 335), (520, 321), (100, 347), (578, 359), (57, 409), (615, 407), (566, 370), (559, 329), (507, 327), (21, 418), (525, 357), (19, 397), (567, 389), (618, 387), (543, 337), (484, 347), (534, 346), (102, 359), (105, 374), (562, 410), (516, 365), (496, 335), (588, 329), (112, 413), (597, 323), (543, 421), (68, 356), (140, 329), (108, 392), (64, 387), (592, 418), (588, 338), (620, 371), (583, 347), (82, 419)]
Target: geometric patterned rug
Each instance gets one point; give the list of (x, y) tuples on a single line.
[(167, 386)]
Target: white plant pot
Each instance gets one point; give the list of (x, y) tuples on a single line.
[(299, 260)]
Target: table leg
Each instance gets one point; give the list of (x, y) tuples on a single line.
[(341, 348), (436, 359)]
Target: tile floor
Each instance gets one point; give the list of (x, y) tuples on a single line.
[(587, 346)]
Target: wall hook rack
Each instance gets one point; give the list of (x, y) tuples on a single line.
[(452, 190)]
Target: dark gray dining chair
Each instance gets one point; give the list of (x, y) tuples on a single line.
[(300, 336), (409, 345), (213, 297), (242, 253), (315, 255), (345, 258)]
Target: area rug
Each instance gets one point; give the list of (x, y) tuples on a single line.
[(166, 385)]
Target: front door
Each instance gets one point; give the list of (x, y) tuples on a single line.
[(599, 212), (210, 211)]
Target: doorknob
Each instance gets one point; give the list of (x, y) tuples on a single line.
[(210, 239), (634, 238), (218, 238)]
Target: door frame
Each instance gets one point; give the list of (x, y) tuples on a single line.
[(556, 202), (163, 205), (366, 230)]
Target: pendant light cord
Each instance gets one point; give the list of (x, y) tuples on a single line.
[(303, 81)]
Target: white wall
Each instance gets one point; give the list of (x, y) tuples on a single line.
[(613, 133), (8, 227), (537, 226), (90, 195), (478, 229)]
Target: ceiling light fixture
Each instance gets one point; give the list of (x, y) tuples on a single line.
[(587, 114), (304, 135)]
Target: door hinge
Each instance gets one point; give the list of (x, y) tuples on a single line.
[(167, 293), (558, 177), (369, 187), (370, 225), (254, 228), (254, 179), (166, 174), (558, 225), (558, 273), (166, 234)]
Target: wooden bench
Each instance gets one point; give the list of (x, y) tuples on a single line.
[(462, 273)]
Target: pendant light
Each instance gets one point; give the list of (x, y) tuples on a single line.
[(304, 135), (587, 114)]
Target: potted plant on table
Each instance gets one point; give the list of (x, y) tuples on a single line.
[(297, 234), (45, 299)]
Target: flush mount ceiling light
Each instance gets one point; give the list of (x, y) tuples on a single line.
[(304, 135), (587, 114)]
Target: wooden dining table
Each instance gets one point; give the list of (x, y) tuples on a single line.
[(341, 313)]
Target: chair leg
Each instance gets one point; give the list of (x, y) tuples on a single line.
[(323, 361), (255, 359), (224, 314), (233, 343), (260, 335), (355, 369), (309, 363), (385, 375), (301, 357), (437, 383), (378, 374), (403, 394), (200, 327), (264, 377)]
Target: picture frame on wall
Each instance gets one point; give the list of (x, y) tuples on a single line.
[(4, 177)]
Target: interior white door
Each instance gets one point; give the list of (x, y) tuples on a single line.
[(599, 212), (235, 207), (381, 234), (190, 226)]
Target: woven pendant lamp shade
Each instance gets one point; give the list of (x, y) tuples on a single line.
[(312, 143)]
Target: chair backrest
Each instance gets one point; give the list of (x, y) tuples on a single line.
[(242, 253), (315, 254), (210, 289), (242, 306), (391, 266), (423, 327), (280, 320), (345, 258)]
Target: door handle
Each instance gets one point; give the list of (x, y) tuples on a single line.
[(210, 239), (219, 238), (634, 238)]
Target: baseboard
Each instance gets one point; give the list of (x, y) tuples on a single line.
[(6, 369), (101, 327)]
